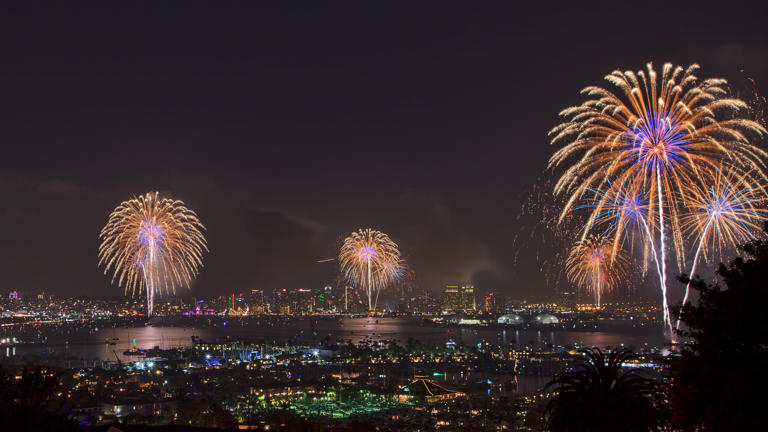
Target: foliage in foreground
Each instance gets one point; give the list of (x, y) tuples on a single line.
[(721, 374), (600, 395), (33, 402)]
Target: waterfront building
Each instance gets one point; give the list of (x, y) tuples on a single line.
[(459, 298)]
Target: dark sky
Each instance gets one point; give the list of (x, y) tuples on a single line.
[(286, 129)]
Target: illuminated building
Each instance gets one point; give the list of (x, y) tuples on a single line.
[(199, 311), (424, 303), (13, 295), (546, 319), (323, 299), (491, 303), (256, 302), (510, 319), (237, 306), (430, 391), (459, 298), (568, 297), (295, 301)]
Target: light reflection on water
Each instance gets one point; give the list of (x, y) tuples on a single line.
[(313, 331)]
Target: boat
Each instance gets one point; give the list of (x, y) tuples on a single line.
[(134, 352)]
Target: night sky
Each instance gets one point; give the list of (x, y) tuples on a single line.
[(285, 129)]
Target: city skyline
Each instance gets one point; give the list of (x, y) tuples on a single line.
[(391, 216)]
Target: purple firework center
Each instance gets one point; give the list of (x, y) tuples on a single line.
[(716, 209), (150, 233), (367, 253), (597, 257), (719, 204), (658, 140), (634, 206)]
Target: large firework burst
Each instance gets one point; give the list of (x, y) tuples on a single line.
[(594, 265), (153, 245), (655, 137), (371, 261)]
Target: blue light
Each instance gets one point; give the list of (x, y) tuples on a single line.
[(617, 205), (657, 140)]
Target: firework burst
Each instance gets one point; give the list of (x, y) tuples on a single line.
[(724, 214), (593, 265), (153, 245), (655, 137), (621, 213), (371, 261)]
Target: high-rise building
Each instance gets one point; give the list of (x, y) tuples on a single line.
[(405, 293), (294, 301), (490, 303), (424, 303), (568, 297), (257, 304), (324, 299), (459, 298), (236, 305)]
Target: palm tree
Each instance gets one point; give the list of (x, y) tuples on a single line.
[(599, 395)]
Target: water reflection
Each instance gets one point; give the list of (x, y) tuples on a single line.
[(312, 331)]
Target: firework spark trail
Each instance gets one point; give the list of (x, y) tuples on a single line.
[(725, 213), (664, 304), (152, 244), (660, 137), (653, 251), (370, 259), (693, 271), (596, 283)]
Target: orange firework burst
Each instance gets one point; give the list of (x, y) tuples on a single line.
[(655, 137), (370, 260), (595, 266), (152, 244)]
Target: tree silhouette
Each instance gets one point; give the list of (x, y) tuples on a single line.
[(599, 395), (33, 402), (203, 413), (720, 373)]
